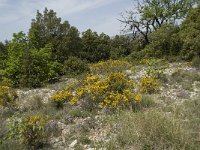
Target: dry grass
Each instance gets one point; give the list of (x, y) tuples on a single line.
[(148, 130)]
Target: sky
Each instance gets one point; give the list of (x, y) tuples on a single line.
[(98, 15)]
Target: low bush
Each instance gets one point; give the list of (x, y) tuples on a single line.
[(115, 91), (155, 67), (108, 66), (138, 55), (63, 96), (75, 66), (196, 62), (7, 97), (30, 130), (165, 42), (118, 53)]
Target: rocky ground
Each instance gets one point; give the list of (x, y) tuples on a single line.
[(183, 84)]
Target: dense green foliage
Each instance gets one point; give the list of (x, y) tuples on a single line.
[(3, 55), (149, 15), (47, 28), (122, 46), (53, 48), (95, 47), (30, 130), (165, 41), (75, 66), (103, 102), (28, 66), (190, 33)]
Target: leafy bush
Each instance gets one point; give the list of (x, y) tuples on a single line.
[(113, 91), (75, 66), (121, 46), (117, 53), (39, 68), (63, 96), (29, 130), (28, 66), (155, 67), (7, 97), (190, 34), (165, 41), (95, 47), (138, 55), (108, 66), (149, 85), (196, 61)]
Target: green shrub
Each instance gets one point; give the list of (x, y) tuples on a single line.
[(30, 130), (114, 91), (165, 41), (7, 97), (75, 66), (190, 34), (117, 53), (106, 67), (196, 62), (27, 66), (39, 68), (155, 67), (95, 47), (138, 55)]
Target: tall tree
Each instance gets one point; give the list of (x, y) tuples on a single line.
[(95, 47), (17, 47), (47, 28), (149, 15), (28, 66), (3, 57), (3, 54), (190, 34), (121, 46)]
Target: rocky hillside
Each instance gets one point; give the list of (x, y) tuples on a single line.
[(167, 118)]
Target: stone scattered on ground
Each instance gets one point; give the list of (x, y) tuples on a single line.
[(174, 93)]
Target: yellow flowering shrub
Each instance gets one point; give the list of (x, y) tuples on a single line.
[(63, 96), (30, 130), (7, 97), (110, 66), (149, 85), (115, 90)]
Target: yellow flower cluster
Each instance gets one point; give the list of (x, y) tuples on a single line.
[(39, 120), (138, 97), (7, 96), (114, 90), (64, 96), (110, 66), (61, 96), (149, 85)]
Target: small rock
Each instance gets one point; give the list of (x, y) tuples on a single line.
[(61, 125), (91, 149), (73, 143)]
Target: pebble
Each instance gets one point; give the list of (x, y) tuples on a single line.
[(73, 143)]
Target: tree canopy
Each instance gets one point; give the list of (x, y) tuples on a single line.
[(149, 15), (47, 28)]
